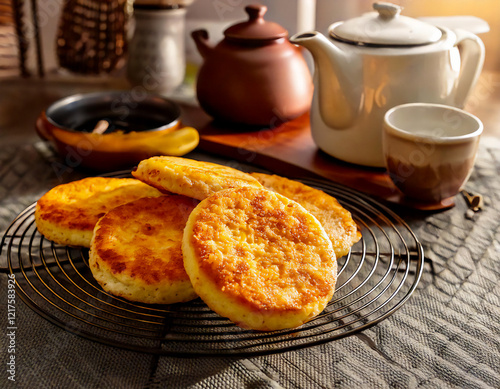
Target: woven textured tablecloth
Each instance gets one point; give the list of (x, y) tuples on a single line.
[(446, 335)]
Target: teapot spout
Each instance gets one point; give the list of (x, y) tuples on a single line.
[(337, 79)]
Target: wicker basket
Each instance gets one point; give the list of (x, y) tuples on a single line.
[(10, 41), (92, 35)]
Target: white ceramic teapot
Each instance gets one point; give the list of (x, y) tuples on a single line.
[(374, 62)]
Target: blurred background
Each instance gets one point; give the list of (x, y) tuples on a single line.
[(86, 43), (214, 15)]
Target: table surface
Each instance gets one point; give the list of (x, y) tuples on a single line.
[(446, 335)]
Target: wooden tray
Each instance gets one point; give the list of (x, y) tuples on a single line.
[(289, 149)]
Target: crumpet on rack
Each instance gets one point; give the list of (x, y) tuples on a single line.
[(259, 259), (136, 250), (335, 219), (67, 214), (196, 179)]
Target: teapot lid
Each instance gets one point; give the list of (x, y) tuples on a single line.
[(256, 28), (386, 27)]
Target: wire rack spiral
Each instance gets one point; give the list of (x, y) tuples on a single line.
[(375, 279)]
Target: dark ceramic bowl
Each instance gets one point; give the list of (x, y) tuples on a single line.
[(136, 127)]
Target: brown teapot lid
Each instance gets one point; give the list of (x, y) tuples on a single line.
[(256, 28)]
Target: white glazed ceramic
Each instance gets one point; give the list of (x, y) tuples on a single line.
[(430, 149), (355, 84), (385, 27), (156, 51)]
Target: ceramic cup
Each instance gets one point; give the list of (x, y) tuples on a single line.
[(430, 149)]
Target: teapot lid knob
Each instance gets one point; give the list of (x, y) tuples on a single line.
[(256, 28), (255, 11), (387, 10)]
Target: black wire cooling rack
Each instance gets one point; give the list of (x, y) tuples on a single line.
[(375, 279)]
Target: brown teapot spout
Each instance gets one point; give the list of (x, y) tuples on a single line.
[(203, 45)]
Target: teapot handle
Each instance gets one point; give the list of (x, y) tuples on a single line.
[(472, 57)]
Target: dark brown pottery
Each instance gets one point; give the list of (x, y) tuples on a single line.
[(254, 75)]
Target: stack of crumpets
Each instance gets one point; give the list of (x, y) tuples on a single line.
[(68, 213), (136, 250), (258, 249)]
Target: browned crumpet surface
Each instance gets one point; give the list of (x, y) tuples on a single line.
[(197, 179), (335, 219), (67, 214), (136, 250), (259, 258)]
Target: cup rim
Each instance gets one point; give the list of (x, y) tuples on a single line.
[(390, 127)]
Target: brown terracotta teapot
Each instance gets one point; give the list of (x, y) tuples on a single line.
[(254, 75)]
